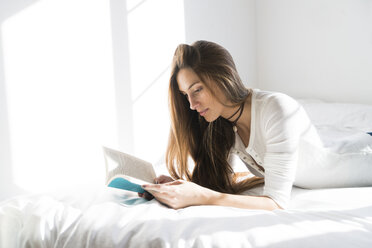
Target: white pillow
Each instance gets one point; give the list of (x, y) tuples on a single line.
[(346, 158), (341, 115), (345, 141)]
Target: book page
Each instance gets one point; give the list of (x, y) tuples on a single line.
[(121, 163)]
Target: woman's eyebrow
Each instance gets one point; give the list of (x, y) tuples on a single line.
[(191, 86)]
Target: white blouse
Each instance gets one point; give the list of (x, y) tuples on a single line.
[(278, 125)]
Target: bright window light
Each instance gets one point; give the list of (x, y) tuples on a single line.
[(60, 92)]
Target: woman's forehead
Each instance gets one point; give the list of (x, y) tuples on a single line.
[(186, 79)]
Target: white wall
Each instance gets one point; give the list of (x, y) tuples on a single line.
[(230, 24), (316, 48), (145, 35)]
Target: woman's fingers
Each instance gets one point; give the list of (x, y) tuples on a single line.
[(165, 187), (146, 195), (159, 191), (178, 194), (168, 193), (163, 179)]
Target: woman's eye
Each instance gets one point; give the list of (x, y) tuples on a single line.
[(198, 90)]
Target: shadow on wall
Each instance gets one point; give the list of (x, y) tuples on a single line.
[(120, 46), (7, 186)]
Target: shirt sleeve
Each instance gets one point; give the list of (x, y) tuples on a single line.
[(283, 122)]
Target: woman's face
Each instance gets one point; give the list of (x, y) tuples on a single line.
[(199, 96)]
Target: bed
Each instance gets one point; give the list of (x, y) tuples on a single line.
[(337, 216)]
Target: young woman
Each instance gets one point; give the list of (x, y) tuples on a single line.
[(213, 117)]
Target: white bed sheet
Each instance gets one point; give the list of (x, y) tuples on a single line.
[(106, 217)]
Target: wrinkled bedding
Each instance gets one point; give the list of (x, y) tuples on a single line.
[(107, 217)]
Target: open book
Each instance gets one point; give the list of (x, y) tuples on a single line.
[(127, 172)]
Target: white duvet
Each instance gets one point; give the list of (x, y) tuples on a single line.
[(106, 217)]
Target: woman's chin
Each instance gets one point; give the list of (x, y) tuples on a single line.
[(209, 119)]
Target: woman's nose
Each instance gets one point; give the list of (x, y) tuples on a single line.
[(193, 103)]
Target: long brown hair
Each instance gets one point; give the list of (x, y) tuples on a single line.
[(208, 144)]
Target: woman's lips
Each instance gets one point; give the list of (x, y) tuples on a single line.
[(202, 113)]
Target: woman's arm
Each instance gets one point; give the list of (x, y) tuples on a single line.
[(180, 194)]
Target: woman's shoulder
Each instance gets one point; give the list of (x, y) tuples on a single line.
[(273, 100)]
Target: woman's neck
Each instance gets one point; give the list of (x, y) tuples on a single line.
[(244, 121), (240, 113)]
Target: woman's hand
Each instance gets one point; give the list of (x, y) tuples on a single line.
[(160, 179), (179, 194)]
